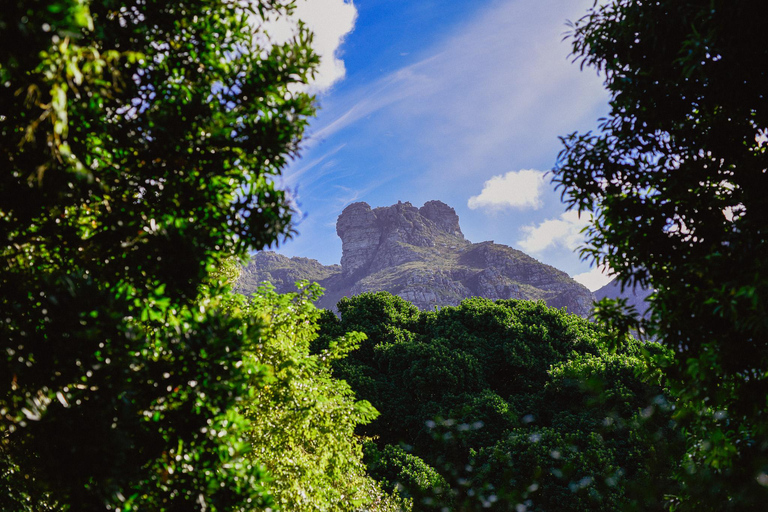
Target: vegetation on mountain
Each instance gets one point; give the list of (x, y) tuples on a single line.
[(497, 405), (282, 272), (676, 177)]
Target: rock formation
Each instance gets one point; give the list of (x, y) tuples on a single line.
[(421, 255)]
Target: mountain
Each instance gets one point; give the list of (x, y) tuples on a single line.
[(421, 255), (636, 296)]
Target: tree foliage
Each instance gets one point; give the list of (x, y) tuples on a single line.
[(137, 140), (505, 404), (301, 418), (676, 178)]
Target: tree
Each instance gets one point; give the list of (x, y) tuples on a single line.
[(138, 140), (302, 419), (506, 404), (676, 178)]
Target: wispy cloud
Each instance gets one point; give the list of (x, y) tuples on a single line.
[(407, 82), (292, 176), (493, 93), (496, 89), (563, 232), (516, 189)]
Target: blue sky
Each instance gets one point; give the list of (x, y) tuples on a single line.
[(451, 100)]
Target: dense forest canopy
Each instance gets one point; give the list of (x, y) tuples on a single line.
[(504, 404)]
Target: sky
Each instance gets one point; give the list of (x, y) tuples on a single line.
[(451, 100)]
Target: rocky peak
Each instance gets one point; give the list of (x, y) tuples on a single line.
[(359, 233), (443, 216), (421, 255), (372, 239)]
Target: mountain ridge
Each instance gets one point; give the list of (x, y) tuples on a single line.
[(421, 255)]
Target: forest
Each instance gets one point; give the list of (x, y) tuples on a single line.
[(141, 141)]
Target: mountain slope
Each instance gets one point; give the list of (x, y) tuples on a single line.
[(636, 296), (421, 255)]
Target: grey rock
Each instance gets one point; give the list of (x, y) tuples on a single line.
[(421, 255), (359, 232), (443, 216), (282, 272)]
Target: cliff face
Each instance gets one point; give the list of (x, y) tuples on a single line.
[(421, 255), (382, 238)]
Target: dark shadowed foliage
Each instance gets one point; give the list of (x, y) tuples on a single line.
[(137, 140), (677, 176)]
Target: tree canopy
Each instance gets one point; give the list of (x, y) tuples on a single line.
[(301, 420), (505, 404), (676, 178), (138, 140)]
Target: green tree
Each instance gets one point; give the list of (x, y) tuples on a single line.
[(676, 178), (497, 405), (137, 140), (301, 419)]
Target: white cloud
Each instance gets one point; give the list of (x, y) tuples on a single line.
[(594, 279), (330, 21), (516, 189), (562, 232)]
